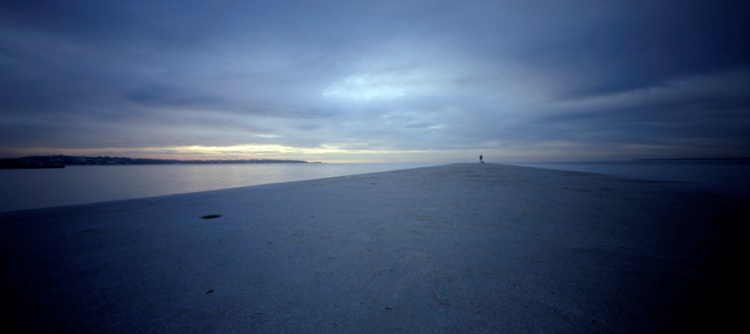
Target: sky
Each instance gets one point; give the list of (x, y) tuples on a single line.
[(376, 81)]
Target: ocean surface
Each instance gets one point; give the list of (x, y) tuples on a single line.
[(722, 176), (22, 189), (40, 188)]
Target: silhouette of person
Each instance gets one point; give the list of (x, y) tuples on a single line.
[(480, 159)]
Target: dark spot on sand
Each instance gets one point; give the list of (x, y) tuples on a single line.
[(89, 231), (388, 308), (210, 216), (210, 291), (439, 299)]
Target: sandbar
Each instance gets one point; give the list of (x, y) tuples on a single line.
[(464, 248)]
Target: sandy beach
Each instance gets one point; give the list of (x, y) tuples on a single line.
[(465, 248)]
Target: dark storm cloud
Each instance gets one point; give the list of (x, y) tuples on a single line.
[(386, 75), (649, 43)]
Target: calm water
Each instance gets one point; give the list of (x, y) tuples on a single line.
[(39, 188), (725, 176)]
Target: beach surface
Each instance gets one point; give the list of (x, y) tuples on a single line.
[(465, 248)]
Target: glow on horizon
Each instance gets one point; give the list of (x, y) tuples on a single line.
[(494, 152), (325, 153)]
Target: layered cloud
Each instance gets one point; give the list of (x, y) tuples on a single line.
[(343, 80)]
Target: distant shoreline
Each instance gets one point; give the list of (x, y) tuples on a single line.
[(29, 167), (60, 161)]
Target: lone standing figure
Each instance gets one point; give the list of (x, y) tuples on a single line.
[(480, 159)]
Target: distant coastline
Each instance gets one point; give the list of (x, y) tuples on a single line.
[(60, 161)]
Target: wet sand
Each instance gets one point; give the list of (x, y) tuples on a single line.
[(448, 249)]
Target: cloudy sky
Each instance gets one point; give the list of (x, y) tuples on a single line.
[(412, 81)]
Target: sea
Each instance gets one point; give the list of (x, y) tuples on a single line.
[(726, 176), (22, 189)]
